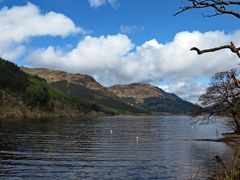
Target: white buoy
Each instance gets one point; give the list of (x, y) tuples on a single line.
[(137, 139), (111, 131)]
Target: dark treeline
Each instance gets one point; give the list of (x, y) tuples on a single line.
[(12, 78)]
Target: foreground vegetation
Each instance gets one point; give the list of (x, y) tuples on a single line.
[(231, 171), (227, 172)]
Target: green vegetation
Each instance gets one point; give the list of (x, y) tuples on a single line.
[(37, 93), (176, 105), (12, 78), (98, 100), (24, 95)]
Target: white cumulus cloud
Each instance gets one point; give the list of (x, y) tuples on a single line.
[(92, 54), (115, 59), (19, 23)]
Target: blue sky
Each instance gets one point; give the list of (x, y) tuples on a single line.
[(156, 17), (119, 41)]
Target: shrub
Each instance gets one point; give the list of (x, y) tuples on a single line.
[(37, 94)]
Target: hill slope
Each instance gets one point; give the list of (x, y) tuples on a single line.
[(55, 75), (85, 88), (23, 95), (151, 98)]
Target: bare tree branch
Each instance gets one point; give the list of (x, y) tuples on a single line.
[(232, 47), (233, 77), (220, 6), (223, 96)]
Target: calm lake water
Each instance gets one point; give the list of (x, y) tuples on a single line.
[(108, 148)]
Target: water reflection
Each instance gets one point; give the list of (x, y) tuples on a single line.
[(124, 147)]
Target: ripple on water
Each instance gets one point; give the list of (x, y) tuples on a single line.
[(107, 148)]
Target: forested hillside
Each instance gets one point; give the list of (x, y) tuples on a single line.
[(28, 95)]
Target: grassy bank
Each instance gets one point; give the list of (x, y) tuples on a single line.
[(232, 170), (12, 106)]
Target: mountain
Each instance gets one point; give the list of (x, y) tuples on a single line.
[(118, 99), (85, 88), (55, 75), (151, 98)]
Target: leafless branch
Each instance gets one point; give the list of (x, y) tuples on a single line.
[(231, 46), (233, 77), (219, 6)]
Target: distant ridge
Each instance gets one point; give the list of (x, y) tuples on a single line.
[(151, 98)]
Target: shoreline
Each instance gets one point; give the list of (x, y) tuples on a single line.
[(51, 115), (231, 139), (46, 115)]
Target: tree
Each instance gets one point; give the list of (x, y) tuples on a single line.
[(223, 96), (12, 78), (37, 94)]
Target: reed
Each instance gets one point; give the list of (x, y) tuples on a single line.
[(229, 172)]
